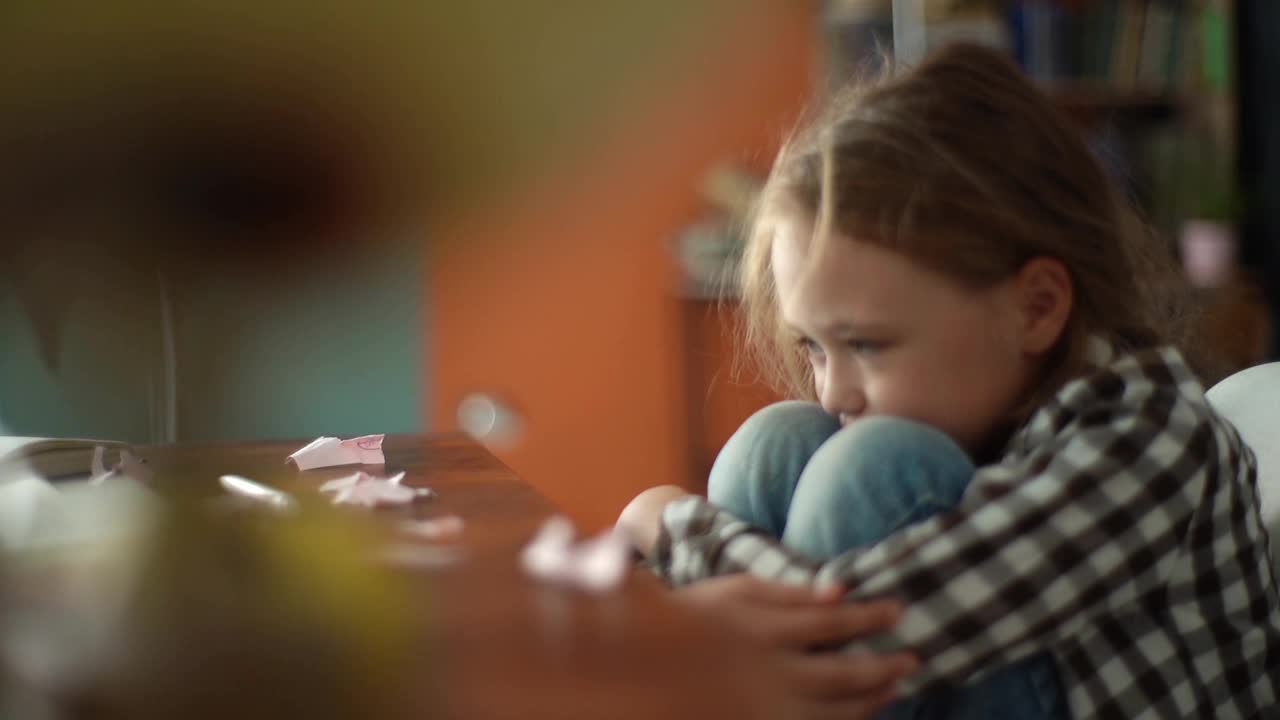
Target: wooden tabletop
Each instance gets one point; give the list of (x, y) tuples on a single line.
[(508, 645)]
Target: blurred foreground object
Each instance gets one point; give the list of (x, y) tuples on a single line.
[(145, 139), (131, 608), (471, 94)]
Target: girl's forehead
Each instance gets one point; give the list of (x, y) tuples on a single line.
[(792, 237), (816, 277), (798, 248), (818, 271), (796, 257)]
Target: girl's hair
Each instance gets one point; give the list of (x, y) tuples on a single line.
[(965, 167)]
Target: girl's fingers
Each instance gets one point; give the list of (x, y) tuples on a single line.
[(748, 591), (774, 593), (831, 626), (789, 616), (832, 676)]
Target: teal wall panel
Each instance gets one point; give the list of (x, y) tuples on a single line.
[(333, 347)]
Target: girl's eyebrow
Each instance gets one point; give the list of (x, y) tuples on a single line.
[(844, 327)]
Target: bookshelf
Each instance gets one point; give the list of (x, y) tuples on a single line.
[(1152, 84), (1137, 75)]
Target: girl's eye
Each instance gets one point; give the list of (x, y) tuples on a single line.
[(809, 345), (866, 347)]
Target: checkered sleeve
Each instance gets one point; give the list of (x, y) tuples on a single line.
[(1039, 545)]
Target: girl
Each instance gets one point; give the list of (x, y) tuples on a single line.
[(1004, 440)]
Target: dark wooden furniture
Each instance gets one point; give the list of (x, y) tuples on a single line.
[(506, 645)]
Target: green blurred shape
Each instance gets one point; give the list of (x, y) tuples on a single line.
[(1217, 49)]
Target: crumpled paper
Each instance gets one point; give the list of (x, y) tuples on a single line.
[(598, 564), (332, 451), (367, 490), (128, 466)]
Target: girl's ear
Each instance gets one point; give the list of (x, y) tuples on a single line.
[(1045, 297)]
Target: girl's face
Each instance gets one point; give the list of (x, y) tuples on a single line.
[(886, 336)]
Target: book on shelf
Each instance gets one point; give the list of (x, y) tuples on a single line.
[(1126, 45), (53, 458), (1145, 46), (1157, 61)]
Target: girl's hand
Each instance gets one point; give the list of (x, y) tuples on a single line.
[(641, 517), (795, 625)]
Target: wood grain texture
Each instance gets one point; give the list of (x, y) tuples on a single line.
[(502, 644)]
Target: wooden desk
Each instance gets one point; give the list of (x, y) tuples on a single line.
[(512, 647)]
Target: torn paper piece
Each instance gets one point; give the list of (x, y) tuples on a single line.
[(598, 564), (545, 555), (349, 481), (132, 467), (129, 466), (364, 489), (332, 451), (444, 527)]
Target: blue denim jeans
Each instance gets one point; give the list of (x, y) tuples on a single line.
[(793, 471)]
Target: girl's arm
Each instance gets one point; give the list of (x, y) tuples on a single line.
[(641, 518), (1037, 547)]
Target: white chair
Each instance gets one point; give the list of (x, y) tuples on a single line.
[(1250, 399)]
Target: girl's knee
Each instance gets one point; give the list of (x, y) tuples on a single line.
[(895, 437), (756, 471), (912, 467), (789, 432), (788, 421), (882, 440)]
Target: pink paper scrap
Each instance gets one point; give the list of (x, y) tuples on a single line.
[(367, 490), (598, 564), (332, 451)]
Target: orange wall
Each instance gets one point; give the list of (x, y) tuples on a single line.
[(562, 299)]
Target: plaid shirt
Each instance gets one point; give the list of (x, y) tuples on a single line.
[(1120, 532)]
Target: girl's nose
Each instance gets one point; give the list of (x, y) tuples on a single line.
[(842, 395)]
